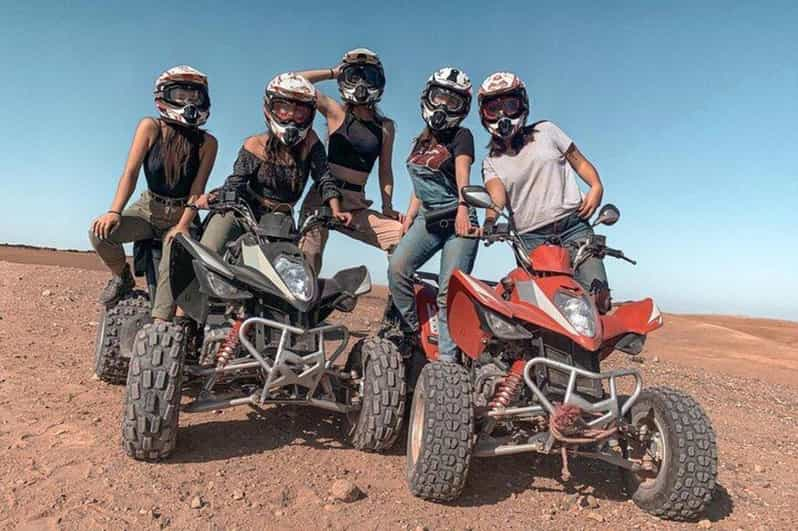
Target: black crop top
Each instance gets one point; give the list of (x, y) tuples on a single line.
[(281, 182), (356, 144), (155, 170)]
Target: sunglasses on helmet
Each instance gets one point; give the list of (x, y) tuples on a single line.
[(291, 111), (448, 99), (186, 94), (510, 106), (371, 74)]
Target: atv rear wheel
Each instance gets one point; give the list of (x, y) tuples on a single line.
[(681, 446), (152, 400), (116, 332), (378, 424), (441, 432)]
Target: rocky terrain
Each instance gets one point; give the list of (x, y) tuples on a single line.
[(62, 467)]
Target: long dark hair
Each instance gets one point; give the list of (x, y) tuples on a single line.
[(274, 151), (521, 139), (180, 145), (379, 118), (425, 140)]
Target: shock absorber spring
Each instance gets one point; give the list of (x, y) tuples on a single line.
[(230, 345), (508, 389)]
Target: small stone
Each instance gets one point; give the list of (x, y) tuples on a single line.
[(766, 485), (46, 293), (278, 513), (421, 528), (593, 515), (238, 494), (704, 524), (329, 507), (345, 491), (759, 469), (196, 502), (96, 420), (656, 359)]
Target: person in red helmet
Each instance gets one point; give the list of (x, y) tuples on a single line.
[(177, 156), (532, 168), (359, 137), (273, 168)]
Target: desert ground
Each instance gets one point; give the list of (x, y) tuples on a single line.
[(62, 466)]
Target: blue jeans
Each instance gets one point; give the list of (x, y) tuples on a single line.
[(571, 229), (413, 251)]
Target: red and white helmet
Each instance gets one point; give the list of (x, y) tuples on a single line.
[(503, 104), (362, 79), (181, 95), (289, 105), (446, 98)]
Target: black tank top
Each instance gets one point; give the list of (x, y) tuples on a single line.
[(356, 144), (155, 171)]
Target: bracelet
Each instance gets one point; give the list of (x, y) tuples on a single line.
[(332, 73), (115, 212)]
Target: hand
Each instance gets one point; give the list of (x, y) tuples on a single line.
[(174, 231), (462, 225), (407, 221), (393, 214), (201, 203), (336, 70), (343, 217), (103, 226), (591, 202)]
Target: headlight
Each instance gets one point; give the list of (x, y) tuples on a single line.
[(578, 311), (503, 328), (295, 276)]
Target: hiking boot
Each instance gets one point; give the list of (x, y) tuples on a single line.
[(119, 286)]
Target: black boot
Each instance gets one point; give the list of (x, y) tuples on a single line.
[(119, 286)]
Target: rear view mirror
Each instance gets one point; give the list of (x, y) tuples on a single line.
[(477, 196), (608, 215)]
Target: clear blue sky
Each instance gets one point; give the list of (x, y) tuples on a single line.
[(688, 109)]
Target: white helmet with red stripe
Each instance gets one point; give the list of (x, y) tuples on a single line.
[(503, 104), (446, 98), (181, 95), (289, 105)]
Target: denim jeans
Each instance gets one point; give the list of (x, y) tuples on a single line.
[(571, 229), (413, 251)]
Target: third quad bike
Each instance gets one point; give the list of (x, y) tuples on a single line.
[(260, 337), (531, 381)]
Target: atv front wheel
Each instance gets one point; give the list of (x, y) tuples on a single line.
[(152, 400), (678, 448), (440, 437), (379, 421), (115, 335)]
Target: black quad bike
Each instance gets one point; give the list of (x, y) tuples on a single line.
[(119, 322), (261, 337)]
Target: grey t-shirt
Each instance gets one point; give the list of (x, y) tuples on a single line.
[(541, 185)]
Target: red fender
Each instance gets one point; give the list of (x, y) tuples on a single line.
[(639, 317)]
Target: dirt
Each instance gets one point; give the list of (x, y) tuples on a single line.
[(62, 467)]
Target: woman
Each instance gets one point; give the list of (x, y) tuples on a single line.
[(272, 168), (533, 167), (439, 165), (358, 137), (177, 157)]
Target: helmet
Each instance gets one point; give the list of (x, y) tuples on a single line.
[(289, 105), (503, 104), (362, 79), (181, 95), (446, 98)]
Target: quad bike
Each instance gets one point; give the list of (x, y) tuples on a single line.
[(120, 322), (530, 381), (260, 338)]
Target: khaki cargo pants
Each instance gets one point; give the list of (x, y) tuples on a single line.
[(146, 218), (368, 226)]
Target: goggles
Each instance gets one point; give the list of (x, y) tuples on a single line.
[(291, 111), (511, 106), (448, 99), (186, 94), (370, 74)]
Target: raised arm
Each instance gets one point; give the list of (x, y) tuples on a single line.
[(386, 171), (588, 173), (333, 111)]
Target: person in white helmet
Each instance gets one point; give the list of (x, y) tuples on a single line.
[(437, 219), (359, 136), (177, 156), (273, 168), (532, 168)]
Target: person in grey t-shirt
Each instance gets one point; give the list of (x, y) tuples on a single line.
[(534, 168)]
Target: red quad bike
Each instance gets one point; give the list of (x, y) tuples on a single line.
[(530, 381)]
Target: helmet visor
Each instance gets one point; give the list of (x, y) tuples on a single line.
[(291, 111), (370, 74), (186, 94), (447, 99), (510, 106)]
